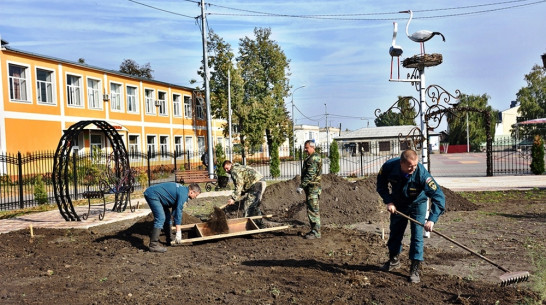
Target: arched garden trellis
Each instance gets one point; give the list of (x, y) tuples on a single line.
[(119, 167)]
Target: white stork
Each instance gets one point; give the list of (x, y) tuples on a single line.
[(422, 35), (394, 50)]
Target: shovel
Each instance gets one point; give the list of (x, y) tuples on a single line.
[(507, 278)]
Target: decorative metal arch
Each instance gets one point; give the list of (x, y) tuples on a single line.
[(61, 165)]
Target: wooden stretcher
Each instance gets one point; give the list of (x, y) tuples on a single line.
[(237, 227)]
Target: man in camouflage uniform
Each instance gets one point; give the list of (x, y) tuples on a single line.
[(310, 183), (247, 182)]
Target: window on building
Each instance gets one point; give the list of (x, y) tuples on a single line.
[(149, 96), (189, 146), (93, 93), (132, 99), (44, 86), (199, 112), (187, 107), (73, 90), (200, 145), (150, 144), (311, 135), (384, 146), (178, 146), (133, 146), (95, 143), (364, 147), (18, 83), (162, 100), (164, 145), (115, 97), (176, 106)]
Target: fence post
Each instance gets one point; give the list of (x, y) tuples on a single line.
[(175, 156), (301, 159), (361, 164), (75, 174), (149, 171), (20, 174)]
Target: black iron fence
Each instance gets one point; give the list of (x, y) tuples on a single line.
[(21, 175)]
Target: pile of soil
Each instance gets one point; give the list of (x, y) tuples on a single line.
[(342, 202), (218, 222)]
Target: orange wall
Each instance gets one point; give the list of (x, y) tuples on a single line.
[(30, 136)]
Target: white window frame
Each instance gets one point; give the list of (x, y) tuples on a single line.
[(163, 145), (132, 99), (94, 96), (151, 147), (92, 144), (23, 82), (187, 107), (134, 148), (162, 109), (116, 97), (177, 110), (74, 91), (199, 111), (201, 148), (188, 145), (50, 88), (149, 101), (178, 145)]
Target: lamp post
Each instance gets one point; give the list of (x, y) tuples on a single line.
[(294, 123)]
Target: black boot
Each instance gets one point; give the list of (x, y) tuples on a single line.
[(167, 229), (392, 264), (154, 241), (414, 271)]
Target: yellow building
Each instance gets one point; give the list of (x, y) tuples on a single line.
[(42, 96)]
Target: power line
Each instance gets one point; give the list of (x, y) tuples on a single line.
[(163, 10)]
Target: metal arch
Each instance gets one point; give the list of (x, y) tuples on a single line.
[(414, 138), (406, 114), (61, 165)]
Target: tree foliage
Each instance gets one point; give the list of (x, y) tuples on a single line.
[(406, 116), (532, 100), (220, 158), (275, 168), (129, 66), (476, 121), (334, 157), (259, 84), (537, 156), (40, 193)]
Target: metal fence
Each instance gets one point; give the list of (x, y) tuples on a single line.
[(20, 173)]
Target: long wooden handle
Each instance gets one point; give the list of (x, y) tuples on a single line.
[(455, 242)]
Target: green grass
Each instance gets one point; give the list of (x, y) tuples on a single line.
[(499, 196)]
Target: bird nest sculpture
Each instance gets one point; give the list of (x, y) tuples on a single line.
[(425, 60)]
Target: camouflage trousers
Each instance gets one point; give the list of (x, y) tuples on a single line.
[(253, 199), (312, 194)]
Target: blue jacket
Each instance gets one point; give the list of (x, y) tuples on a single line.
[(172, 195), (412, 189)]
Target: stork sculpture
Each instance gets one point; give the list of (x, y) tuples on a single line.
[(394, 50), (422, 35)]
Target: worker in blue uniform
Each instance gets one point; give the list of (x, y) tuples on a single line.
[(410, 187), (166, 199)]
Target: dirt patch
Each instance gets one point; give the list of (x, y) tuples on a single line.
[(218, 222), (111, 264)]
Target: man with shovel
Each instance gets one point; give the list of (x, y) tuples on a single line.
[(249, 188), (411, 186), (166, 199)]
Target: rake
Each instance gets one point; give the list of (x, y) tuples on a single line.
[(506, 278)]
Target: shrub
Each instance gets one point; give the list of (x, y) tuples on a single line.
[(274, 169), (537, 155), (334, 158), (40, 193), (220, 158)]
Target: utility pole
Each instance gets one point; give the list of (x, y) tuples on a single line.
[(294, 123), (207, 88), (467, 135), (327, 133)]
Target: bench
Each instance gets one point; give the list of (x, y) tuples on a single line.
[(195, 176)]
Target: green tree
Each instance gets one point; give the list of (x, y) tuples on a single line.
[(275, 169), (334, 158), (220, 158), (476, 121), (532, 100), (129, 66), (537, 156), (406, 116), (259, 84), (40, 193)]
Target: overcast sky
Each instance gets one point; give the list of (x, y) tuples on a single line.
[(341, 56)]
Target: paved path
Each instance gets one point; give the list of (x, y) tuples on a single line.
[(53, 219)]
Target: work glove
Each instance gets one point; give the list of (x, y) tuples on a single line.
[(178, 238), (299, 190)]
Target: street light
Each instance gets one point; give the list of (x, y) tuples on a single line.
[(294, 122)]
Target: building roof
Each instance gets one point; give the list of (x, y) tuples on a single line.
[(8, 48), (377, 132)]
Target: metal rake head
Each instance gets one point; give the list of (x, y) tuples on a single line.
[(510, 278)]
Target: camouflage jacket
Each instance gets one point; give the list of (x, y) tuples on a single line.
[(311, 170), (243, 177)]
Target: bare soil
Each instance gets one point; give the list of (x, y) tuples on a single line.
[(110, 264)]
